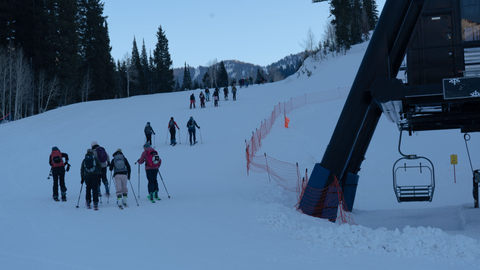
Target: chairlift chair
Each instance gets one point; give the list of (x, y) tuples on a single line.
[(414, 193)]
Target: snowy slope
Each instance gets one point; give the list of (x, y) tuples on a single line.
[(217, 216)]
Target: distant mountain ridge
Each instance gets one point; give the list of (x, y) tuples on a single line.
[(240, 70)]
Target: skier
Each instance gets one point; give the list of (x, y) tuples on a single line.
[(102, 155), (191, 124), (58, 164), (90, 175), (202, 100), (121, 173), (216, 97), (192, 100), (148, 132), (207, 94), (171, 126), (225, 92), (234, 92), (152, 163)]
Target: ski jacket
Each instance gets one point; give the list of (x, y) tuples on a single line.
[(148, 130), (112, 165), (143, 158), (191, 124), (192, 97), (172, 125)]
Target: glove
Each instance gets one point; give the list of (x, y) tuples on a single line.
[(198, 127), (81, 181), (128, 177), (154, 133), (108, 163), (68, 167)]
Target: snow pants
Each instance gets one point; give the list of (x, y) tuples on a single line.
[(121, 184), (191, 132), (58, 175), (103, 178), (152, 180), (172, 136), (91, 183)]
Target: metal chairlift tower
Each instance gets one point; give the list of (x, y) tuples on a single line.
[(440, 41)]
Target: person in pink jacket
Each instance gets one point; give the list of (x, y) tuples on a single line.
[(152, 163)]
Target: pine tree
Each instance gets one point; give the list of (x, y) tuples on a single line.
[(207, 81), (187, 79), (163, 70), (67, 49), (146, 81), (7, 17), (139, 76), (370, 7), (222, 74), (98, 64)]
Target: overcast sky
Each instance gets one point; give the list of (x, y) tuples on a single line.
[(254, 31)]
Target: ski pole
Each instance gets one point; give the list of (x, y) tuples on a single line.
[(49, 174), (133, 191), (81, 187), (166, 137), (154, 140), (138, 179), (186, 139), (163, 183), (200, 132), (111, 177), (179, 137)]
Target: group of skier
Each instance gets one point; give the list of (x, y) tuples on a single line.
[(172, 127), (216, 96), (93, 170)]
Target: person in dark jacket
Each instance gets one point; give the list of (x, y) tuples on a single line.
[(148, 132), (171, 127), (202, 100), (192, 101), (207, 94), (121, 172), (58, 161), (225, 92), (216, 97), (191, 124), (102, 155), (90, 175)]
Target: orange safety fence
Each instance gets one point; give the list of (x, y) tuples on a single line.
[(288, 175)]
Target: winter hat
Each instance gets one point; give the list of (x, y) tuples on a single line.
[(148, 123), (119, 150), (146, 145), (54, 148), (89, 150), (94, 143)]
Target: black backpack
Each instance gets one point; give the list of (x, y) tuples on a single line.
[(89, 164)]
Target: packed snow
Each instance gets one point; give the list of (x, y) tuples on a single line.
[(217, 216)]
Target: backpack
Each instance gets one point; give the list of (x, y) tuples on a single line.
[(57, 160), (119, 163), (101, 154), (89, 164), (191, 123), (153, 159)]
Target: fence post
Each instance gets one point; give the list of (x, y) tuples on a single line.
[(268, 170)]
